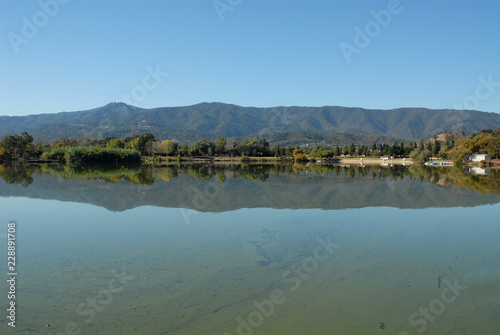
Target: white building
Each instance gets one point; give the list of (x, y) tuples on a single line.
[(479, 171), (480, 158)]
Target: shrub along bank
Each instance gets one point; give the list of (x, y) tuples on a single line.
[(88, 155)]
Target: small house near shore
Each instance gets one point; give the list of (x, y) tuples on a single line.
[(480, 158), (479, 171)]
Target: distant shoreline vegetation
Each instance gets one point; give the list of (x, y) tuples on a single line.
[(88, 155), (456, 146)]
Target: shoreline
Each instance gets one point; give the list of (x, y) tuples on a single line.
[(212, 160), (167, 160)]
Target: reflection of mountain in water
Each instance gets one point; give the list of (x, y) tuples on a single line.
[(217, 189)]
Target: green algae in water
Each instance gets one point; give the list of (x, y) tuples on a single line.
[(206, 277)]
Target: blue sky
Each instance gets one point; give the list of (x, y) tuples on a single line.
[(83, 54)]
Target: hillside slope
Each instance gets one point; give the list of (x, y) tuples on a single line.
[(211, 120)]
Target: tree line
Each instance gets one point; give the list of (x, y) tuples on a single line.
[(487, 141), (455, 147)]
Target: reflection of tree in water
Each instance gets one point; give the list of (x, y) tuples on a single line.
[(144, 176), (167, 173), (458, 177), (147, 175), (109, 172), (249, 172), (17, 174), (255, 172), (202, 172)]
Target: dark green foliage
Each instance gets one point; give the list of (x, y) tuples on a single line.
[(17, 145), (255, 148), (351, 149), (109, 172), (483, 142), (57, 154), (436, 148), (88, 155), (17, 174), (337, 151), (321, 153), (203, 147), (66, 142), (221, 144), (141, 143), (420, 156)]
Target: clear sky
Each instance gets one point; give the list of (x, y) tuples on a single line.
[(69, 55)]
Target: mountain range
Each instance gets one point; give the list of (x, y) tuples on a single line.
[(284, 125)]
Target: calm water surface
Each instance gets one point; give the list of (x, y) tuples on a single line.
[(143, 269)]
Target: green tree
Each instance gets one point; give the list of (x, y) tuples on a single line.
[(141, 143), (4, 154), (429, 146), (256, 148), (436, 148), (320, 152), (352, 149), (420, 156), (203, 147), (276, 151), (482, 143), (221, 145), (167, 147), (336, 151), (65, 142), (38, 148), (17, 145), (115, 143)]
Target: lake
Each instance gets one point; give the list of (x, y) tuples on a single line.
[(252, 250)]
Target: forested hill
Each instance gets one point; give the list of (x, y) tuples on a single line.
[(211, 120)]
